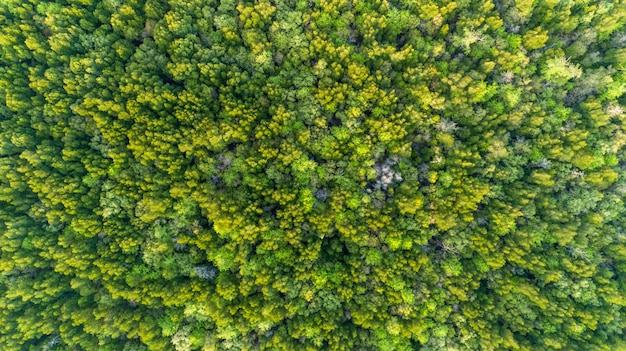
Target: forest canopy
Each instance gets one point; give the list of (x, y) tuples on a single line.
[(312, 175)]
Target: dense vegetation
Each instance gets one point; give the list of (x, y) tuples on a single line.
[(312, 175)]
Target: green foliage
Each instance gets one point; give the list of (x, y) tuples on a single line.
[(312, 175)]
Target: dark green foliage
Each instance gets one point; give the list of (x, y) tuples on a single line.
[(312, 175)]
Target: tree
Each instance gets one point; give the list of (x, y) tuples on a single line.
[(301, 175)]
